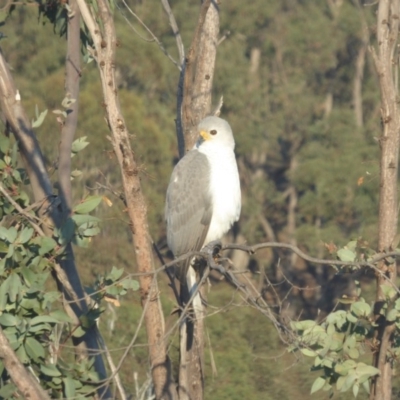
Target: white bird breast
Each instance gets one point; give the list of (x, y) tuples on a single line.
[(224, 189)]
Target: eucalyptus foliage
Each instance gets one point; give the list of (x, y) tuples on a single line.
[(31, 314), (341, 345)]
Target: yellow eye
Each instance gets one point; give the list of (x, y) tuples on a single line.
[(213, 132)]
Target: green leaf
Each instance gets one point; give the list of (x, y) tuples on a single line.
[(14, 288), (353, 353), (360, 309), (66, 232), (345, 367), (25, 235), (68, 102), (3, 247), (113, 290), (346, 255), (318, 385), (309, 352), (69, 387), (326, 362), (4, 293), (7, 391), (79, 144), (115, 274), (366, 386), (21, 354), (10, 252), (349, 382), (9, 234), (29, 276), (50, 370), (85, 218), (356, 388), (47, 244), (39, 328), (81, 241), (129, 283), (302, 325), (76, 173), (40, 319), (8, 320), (340, 382), (78, 332), (317, 361), (16, 175), (4, 143), (39, 119), (345, 300), (352, 318), (12, 339), (51, 297), (61, 316), (90, 232), (87, 205), (60, 112), (364, 369), (392, 315), (388, 290), (34, 349)]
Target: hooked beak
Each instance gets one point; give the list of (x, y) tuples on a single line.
[(203, 136)]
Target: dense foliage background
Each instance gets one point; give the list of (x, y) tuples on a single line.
[(289, 74)]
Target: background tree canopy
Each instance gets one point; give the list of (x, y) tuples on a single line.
[(301, 95)]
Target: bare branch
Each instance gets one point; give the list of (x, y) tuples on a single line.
[(175, 30), (104, 39), (179, 96)]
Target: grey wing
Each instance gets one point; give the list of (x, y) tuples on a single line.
[(188, 208)]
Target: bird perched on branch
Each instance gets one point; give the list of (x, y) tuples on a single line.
[(203, 196)]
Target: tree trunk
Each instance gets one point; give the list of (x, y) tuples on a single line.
[(196, 104), (387, 35), (199, 71)]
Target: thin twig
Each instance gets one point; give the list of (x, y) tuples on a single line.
[(114, 371), (149, 31)]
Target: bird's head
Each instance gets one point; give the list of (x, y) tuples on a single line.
[(215, 130)]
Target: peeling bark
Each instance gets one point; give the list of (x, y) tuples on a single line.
[(199, 71)]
